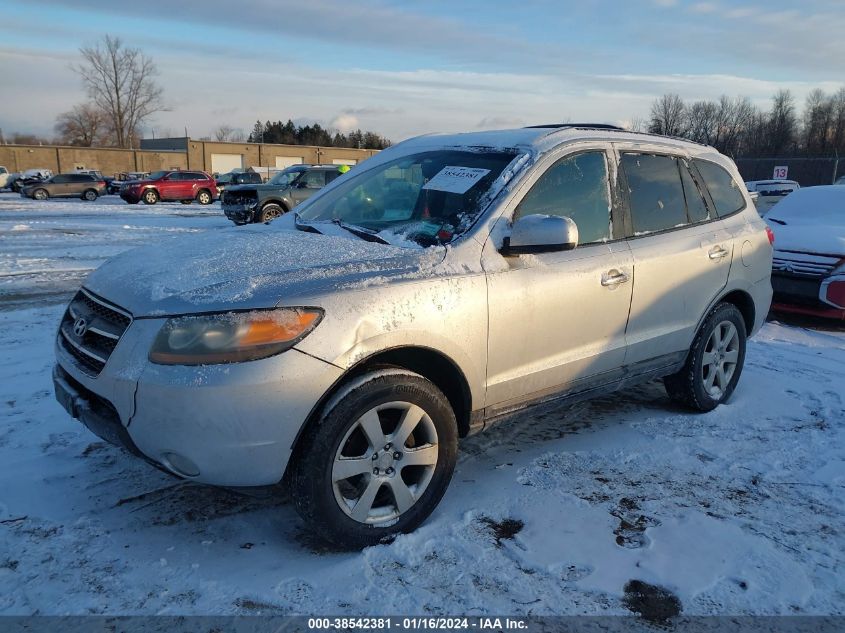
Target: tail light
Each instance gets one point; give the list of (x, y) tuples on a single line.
[(101, 183), (770, 235)]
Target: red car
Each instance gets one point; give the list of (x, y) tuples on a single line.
[(182, 186)]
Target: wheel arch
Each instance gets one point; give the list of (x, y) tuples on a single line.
[(431, 364), (744, 303), (279, 201)]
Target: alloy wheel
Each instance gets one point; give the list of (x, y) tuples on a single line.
[(719, 359), (385, 462)]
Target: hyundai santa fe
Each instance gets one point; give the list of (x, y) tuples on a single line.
[(444, 284)]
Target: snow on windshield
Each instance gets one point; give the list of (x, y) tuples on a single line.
[(812, 205)]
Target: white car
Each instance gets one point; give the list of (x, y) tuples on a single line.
[(770, 192), (4, 177), (808, 266)]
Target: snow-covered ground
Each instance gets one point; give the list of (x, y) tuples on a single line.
[(47, 248), (736, 511)]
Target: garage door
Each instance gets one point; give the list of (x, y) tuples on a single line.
[(287, 161), (224, 163), (344, 161)]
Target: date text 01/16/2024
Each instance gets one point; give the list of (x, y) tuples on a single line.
[(418, 623)]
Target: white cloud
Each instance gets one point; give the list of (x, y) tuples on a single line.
[(345, 122)]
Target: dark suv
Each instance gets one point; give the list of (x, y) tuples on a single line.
[(184, 186), (233, 178), (243, 204)]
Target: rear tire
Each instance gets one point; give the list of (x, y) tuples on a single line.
[(714, 363), (90, 195), (150, 196), (389, 443), (40, 194), (204, 197), (269, 212)]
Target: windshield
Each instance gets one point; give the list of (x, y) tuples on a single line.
[(286, 178), (428, 198)]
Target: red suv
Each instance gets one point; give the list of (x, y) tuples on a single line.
[(184, 186)]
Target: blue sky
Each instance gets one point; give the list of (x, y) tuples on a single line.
[(403, 68)]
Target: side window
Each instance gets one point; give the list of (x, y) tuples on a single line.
[(60, 179), (576, 187), (696, 207), (193, 175), (655, 192), (314, 179), (726, 194)]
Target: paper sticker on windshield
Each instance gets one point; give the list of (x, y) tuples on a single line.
[(453, 179)]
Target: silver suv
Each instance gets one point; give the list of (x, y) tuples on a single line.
[(442, 285)]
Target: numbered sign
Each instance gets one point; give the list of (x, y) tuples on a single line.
[(780, 173)]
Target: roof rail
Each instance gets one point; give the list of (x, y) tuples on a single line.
[(591, 126)]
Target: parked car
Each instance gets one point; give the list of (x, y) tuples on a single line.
[(345, 348), (123, 178), (243, 204), (182, 186), (30, 177), (808, 269), (4, 177), (237, 178), (770, 192), (83, 186)]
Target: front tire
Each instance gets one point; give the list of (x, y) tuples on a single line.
[(150, 196), (269, 212), (377, 462), (90, 195), (714, 362), (40, 194)]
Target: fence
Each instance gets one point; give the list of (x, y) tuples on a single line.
[(807, 171)]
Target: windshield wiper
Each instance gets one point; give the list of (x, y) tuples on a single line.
[(778, 221), (360, 231), (308, 228)]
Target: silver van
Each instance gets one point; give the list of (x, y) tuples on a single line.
[(446, 283)]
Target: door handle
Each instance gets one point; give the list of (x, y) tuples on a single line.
[(717, 252), (613, 278)]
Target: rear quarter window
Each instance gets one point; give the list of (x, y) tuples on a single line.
[(724, 191)]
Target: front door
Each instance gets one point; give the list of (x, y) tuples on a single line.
[(557, 320)]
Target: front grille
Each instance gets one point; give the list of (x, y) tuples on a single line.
[(239, 198), (803, 264), (91, 343)]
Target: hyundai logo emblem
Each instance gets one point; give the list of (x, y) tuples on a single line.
[(80, 327)]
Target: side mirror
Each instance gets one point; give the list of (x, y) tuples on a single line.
[(541, 234)]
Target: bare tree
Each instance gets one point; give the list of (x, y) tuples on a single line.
[(120, 82), (224, 132), (667, 116), (81, 125), (701, 121), (782, 128)]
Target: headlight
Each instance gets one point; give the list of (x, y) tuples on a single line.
[(232, 337)]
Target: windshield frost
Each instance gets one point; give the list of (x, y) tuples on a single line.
[(403, 198)]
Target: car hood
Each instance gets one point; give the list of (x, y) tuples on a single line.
[(823, 239), (248, 267)]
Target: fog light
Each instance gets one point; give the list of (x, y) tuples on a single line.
[(835, 293), (180, 465)]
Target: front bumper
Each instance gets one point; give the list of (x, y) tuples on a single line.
[(130, 197), (229, 425), (240, 214), (802, 294)]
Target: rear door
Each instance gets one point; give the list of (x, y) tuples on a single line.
[(59, 185), (557, 320), (681, 256)]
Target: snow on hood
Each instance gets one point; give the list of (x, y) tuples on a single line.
[(247, 267), (810, 220)]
